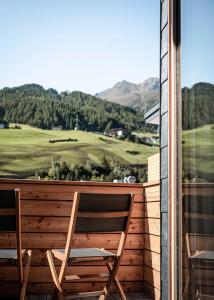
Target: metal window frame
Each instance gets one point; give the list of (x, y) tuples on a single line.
[(174, 158), (170, 150)]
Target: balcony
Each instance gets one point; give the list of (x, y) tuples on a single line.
[(46, 207)]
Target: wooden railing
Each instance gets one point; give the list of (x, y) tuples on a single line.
[(152, 238), (45, 209)]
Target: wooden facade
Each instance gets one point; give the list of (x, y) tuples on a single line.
[(45, 209), (154, 167), (152, 238)]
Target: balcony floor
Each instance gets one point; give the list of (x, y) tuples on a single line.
[(130, 296)]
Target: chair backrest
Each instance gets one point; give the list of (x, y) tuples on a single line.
[(198, 222), (103, 212), (10, 220), (8, 210), (98, 213)]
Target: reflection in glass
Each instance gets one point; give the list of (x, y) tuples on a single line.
[(197, 75)]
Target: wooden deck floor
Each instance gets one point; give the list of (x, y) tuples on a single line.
[(130, 296)]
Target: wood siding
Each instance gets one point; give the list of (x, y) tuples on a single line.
[(154, 167), (152, 238), (45, 209)]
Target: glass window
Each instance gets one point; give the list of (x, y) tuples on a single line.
[(197, 77), (76, 80)]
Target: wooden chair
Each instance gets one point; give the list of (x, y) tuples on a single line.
[(199, 235), (94, 213), (10, 222)]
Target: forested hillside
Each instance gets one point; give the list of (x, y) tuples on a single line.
[(33, 105), (198, 105)]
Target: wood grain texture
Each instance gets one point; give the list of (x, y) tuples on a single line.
[(11, 289), (154, 167), (45, 209), (152, 277)]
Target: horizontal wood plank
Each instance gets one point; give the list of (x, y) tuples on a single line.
[(60, 224), (62, 208), (11, 289), (153, 291), (152, 242), (152, 226), (57, 240), (152, 259), (130, 257), (42, 273), (152, 210), (152, 277)]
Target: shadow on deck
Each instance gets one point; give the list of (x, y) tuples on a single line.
[(130, 296)]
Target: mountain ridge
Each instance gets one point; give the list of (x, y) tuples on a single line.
[(136, 95)]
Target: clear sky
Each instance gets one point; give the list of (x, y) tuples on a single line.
[(197, 41), (86, 45)]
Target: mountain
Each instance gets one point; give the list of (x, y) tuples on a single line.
[(138, 96), (33, 105)]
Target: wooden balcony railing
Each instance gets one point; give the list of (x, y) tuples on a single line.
[(45, 209)]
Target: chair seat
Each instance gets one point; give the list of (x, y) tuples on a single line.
[(209, 255), (88, 252), (8, 254)]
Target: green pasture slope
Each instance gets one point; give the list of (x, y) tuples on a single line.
[(26, 150), (198, 153)]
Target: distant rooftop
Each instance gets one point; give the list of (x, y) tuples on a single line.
[(152, 115)]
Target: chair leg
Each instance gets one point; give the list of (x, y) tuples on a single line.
[(117, 283), (54, 275), (193, 290), (113, 279), (25, 277)]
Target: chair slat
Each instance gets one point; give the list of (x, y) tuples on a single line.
[(104, 202), (8, 224), (7, 212), (87, 276), (86, 294), (98, 225), (103, 214), (198, 216), (7, 199)]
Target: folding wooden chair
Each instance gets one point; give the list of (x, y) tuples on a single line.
[(94, 213), (10, 222), (199, 232)]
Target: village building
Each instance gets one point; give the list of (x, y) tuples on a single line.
[(4, 124)]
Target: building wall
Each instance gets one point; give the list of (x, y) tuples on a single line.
[(152, 238), (154, 167)]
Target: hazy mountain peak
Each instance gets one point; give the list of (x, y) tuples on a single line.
[(138, 96), (123, 83), (151, 83)]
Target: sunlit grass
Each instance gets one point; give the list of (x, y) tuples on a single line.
[(26, 150)]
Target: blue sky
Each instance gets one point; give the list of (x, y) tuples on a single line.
[(86, 45), (197, 41)]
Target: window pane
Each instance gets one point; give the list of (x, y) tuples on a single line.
[(197, 74), (77, 78)]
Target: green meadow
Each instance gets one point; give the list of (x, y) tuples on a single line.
[(24, 151), (198, 153)]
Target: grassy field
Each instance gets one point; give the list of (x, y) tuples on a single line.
[(26, 150), (198, 153)]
